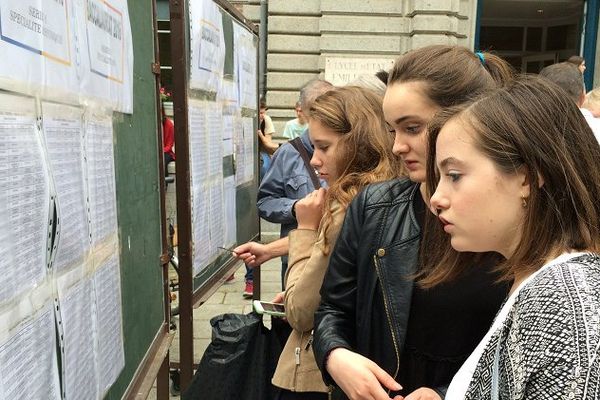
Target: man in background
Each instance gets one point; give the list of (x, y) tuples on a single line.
[(296, 127), (568, 76)]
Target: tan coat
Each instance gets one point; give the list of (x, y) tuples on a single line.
[(297, 369)]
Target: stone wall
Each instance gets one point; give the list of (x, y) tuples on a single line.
[(304, 33)]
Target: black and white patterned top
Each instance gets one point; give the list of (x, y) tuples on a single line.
[(550, 341)]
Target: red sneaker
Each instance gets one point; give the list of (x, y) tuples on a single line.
[(248, 290)]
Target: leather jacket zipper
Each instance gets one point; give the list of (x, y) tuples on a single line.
[(387, 313)]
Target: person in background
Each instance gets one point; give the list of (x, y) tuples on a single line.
[(371, 82), (168, 140), (380, 332), (516, 172), (578, 61), (296, 127), (265, 135), (592, 102), (568, 78)]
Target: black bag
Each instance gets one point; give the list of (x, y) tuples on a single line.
[(239, 362)]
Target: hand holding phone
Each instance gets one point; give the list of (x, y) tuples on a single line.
[(263, 307)]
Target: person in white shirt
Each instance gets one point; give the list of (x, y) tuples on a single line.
[(592, 102), (568, 77), (296, 127)]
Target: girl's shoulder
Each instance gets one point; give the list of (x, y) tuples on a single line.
[(386, 192), (562, 291)]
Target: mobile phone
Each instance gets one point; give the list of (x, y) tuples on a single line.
[(263, 307)]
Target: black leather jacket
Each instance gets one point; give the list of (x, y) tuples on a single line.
[(366, 296)]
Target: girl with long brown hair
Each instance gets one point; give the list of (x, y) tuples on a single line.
[(516, 172), (379, 331), (351, 150)]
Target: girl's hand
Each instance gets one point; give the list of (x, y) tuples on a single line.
[(359, 377), (309, 210)]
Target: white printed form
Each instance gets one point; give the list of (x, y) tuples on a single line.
[(249, 152), (110, 356), (25, 198), (62, 126), (101, 177), (230, 217), (199, 165), (28, 362), (240, 150), (79, 364), (214, 131)]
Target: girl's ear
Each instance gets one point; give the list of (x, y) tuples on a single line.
[(523, 173)]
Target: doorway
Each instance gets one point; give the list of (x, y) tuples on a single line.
[(531, 34)]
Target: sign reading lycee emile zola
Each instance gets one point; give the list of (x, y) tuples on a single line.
[(340, 71)]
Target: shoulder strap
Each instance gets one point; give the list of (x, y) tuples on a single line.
[(297, 143)]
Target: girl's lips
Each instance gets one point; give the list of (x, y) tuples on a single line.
[(447, 225), (410, 164)]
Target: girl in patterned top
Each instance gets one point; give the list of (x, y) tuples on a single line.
[(516, 172)]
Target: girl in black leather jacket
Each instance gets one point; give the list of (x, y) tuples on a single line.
[(380, 332)]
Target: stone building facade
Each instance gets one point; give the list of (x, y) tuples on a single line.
[(336, 39), (311, 38)]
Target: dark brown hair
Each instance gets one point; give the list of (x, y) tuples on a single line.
[(364, 153), (530, 124), (451, 75)]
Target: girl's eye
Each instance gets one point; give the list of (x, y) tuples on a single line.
[(412, 129), (454, 176)]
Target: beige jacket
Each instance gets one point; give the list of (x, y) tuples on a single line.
[(297, 369)]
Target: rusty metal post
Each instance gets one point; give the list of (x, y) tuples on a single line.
[(162, 379), (179, 39)]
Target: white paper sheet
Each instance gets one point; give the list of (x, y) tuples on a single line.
[(68, 50), (101, 177), (245, 66), (200, 171), (201, 228), (28, 362), (80, 378), (62, 126), (249, 152), (110, 355), (26, 198), (229, 211), (240, 150), (214, 130), (207, 45), (217, 216), (199, 142)]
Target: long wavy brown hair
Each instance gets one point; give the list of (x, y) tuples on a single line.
[(364, 152)]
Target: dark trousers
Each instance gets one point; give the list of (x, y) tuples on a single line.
[(168, 159)]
